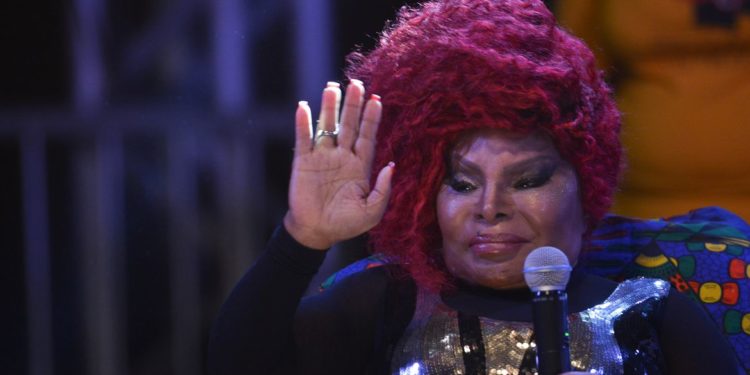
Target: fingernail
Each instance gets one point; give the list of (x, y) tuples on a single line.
[(356, 81), (375, 97), (302, 103), (333, 84), (391, 164)]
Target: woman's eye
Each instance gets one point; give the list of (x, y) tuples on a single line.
[(531, 182), (461, 186)]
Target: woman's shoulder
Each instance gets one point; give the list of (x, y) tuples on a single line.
[(586, 290), (382, 296), (376, 282)]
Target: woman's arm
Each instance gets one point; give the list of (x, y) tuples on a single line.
[(691, 341), (253, 331), (265, 327), (262, 327)]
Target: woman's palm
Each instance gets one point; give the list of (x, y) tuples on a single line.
[(329, 193)]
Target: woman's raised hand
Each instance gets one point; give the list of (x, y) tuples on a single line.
[(329, 193)]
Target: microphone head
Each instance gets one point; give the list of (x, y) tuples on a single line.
[(546, 269)]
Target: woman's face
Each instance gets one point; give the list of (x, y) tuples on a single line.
[(506, 195)]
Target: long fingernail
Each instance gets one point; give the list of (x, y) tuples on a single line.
[(356, 82), (375, 97), (333, 84)]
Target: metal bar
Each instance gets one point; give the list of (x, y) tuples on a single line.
[(36, 237), (88, 65), (237, 163), (313, 39), (184, 240), (230, 49), (101, 201)]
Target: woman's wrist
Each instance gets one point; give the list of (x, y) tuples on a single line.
[(305, 236)]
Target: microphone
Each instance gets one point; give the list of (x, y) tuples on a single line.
[(547, 271)]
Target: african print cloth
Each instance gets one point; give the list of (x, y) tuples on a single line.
[(704, 254)]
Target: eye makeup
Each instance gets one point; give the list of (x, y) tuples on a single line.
[(527, 174), (537, 176)]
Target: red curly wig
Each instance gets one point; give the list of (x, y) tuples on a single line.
[(450, 66)]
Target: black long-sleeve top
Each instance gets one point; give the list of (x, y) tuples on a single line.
[(266, 327)]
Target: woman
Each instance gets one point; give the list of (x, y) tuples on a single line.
[(497, 136)]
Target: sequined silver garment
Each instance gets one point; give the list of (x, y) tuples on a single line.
[(431, 343)]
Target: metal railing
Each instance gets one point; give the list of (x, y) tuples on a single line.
[(212, 173)]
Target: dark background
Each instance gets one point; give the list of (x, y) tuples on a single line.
[(126, 215)]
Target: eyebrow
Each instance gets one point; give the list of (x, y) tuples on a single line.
[(466, 166)]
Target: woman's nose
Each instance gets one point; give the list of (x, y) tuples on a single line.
[(494, 205)]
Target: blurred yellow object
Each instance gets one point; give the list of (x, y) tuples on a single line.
[(710, 292), (716, 247), (684, 90), (651, 261)]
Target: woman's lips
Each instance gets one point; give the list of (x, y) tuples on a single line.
[(492, 245)]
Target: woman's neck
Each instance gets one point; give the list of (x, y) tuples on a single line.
[(584, 291)]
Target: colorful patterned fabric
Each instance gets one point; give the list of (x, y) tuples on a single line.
[(375, 260), (704, 254)]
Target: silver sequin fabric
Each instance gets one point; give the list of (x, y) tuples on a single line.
[(431, 343)]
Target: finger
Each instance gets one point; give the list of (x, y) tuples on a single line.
[(349, 125), (377, 201), (329, 107), (328, 113), (365, 145), (302, 129)]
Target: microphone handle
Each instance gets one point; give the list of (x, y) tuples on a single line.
[(550, 313)]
